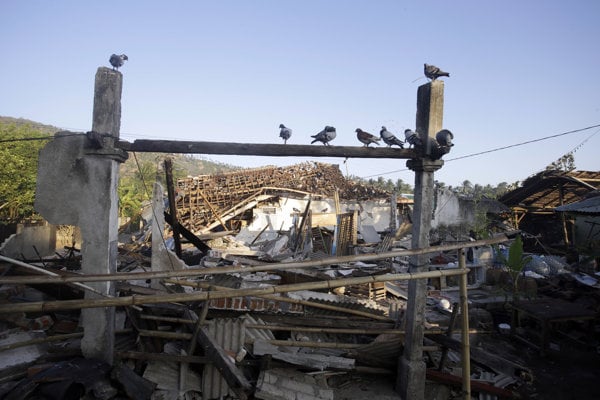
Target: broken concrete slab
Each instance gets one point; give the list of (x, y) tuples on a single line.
[(21, 355), (310, 360)]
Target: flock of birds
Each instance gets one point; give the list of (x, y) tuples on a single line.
[(329, 133), (410, 137)]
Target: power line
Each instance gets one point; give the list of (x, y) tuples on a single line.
[(506, 147), (524, 143)]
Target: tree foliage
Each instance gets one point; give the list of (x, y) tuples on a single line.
[(565, 163), (18, 171)]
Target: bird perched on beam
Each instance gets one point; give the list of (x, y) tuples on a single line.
[(412, 138), (389, 138), (433, 72), (118, 60), (285, 133), (366, 137), (325, 136)]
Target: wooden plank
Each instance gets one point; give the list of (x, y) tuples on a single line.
[(193, 239), (172, 206)]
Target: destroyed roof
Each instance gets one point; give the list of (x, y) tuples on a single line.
[(550, 189), (591, 205), (311, 177), (205, 198)]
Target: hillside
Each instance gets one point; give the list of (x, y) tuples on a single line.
[(37, 126), (183, 164)]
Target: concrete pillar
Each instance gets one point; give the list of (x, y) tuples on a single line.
[(77, 185), (163, 259), (410, 380)]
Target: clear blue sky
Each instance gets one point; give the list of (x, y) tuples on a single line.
[(234, 70)]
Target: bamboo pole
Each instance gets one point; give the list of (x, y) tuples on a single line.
[(333, 330), (284, 328), (167, 319), (307, 303), (165, 335), (203, 296), (139, 355), (49, 273), (465, 349), (49, 339), (320, 345), (26, 279), (349, 331)]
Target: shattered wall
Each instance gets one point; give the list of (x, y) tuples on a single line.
[(30, 242), (450, 210), (279, 215)]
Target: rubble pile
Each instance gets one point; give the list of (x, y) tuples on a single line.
[(320, 343), (203, 199)]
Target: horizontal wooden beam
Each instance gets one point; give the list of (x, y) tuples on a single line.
[(263, 149)]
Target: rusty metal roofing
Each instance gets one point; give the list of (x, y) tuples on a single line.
[(550, 189)]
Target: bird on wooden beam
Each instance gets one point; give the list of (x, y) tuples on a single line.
[(366, 138), (325, 136), (285, 133), (389, 138), (412, 138), (433, 72), (117, 60)]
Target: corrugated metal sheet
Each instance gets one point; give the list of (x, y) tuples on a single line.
[(255, 334), (230, 335), (587, 206)]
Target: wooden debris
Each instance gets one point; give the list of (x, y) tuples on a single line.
[(208, 199)]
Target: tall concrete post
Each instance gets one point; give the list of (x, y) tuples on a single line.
[(77, 185), (100, 235), (410, 380)]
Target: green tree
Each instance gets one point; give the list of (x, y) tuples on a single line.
[(565, 163), (19, 148), (135, 188)]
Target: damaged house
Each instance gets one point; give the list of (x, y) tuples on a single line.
[(534, 207), (264, 203), (286, 283)]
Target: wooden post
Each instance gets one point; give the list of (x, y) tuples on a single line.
[(464, 311), (410, 381), (172, 206), (563, 219)]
